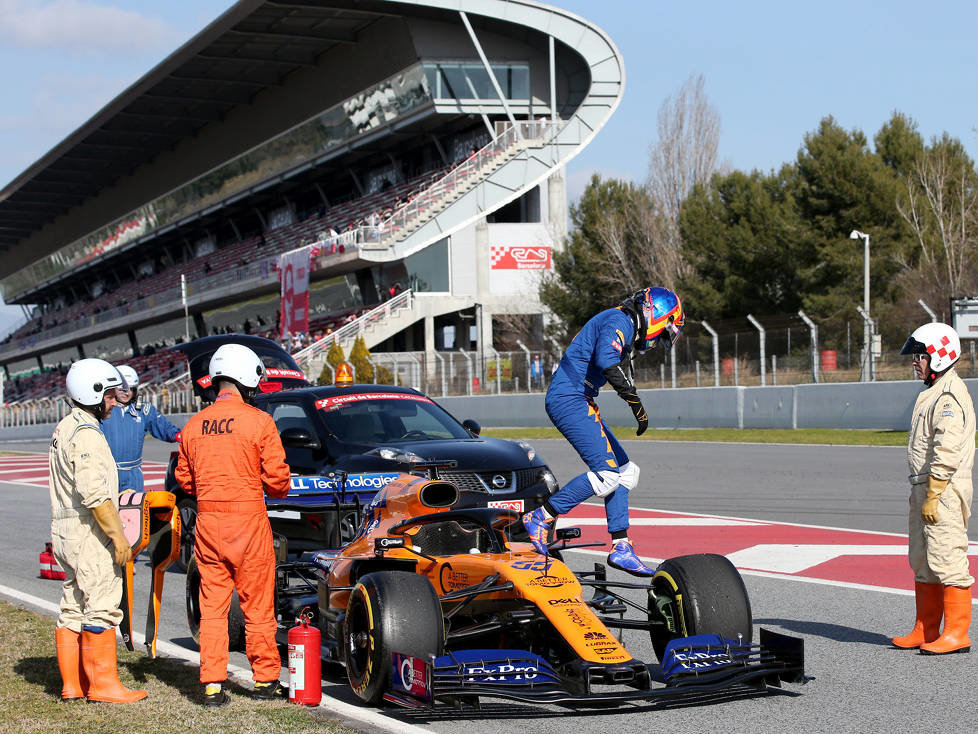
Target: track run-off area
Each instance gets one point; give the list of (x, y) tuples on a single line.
[(818, 532)]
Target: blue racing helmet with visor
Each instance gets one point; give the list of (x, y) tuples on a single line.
[(659, 316)]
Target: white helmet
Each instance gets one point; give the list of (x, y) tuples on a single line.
[(88, 379), (129, 375), (940, 341), (238, 363)]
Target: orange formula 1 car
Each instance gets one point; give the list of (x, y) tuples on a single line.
[(433, 604)]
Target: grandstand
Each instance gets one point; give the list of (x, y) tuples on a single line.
[(418, 145)]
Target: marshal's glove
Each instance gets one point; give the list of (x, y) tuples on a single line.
[(935, 487)]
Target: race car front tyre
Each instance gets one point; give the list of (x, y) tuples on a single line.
[(698, 594), (236, 622), (388, 612)]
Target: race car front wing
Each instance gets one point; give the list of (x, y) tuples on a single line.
[(691, 665)]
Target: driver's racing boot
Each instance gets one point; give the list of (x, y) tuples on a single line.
[(537, 526), (623, 558)]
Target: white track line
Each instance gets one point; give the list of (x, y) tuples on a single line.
[(342, 709)]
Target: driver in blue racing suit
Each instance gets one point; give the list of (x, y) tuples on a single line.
[(602, 352), (126, 427)]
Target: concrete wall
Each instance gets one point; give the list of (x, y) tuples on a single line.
[(878, 405)]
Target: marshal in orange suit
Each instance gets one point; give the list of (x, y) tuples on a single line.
[(229, 456)]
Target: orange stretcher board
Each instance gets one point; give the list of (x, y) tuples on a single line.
[(146, 515)]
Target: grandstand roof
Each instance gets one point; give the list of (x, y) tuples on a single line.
[(251, 47)]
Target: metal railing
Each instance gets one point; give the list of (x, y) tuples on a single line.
[(499, 373), (348, 332), (440, 193)]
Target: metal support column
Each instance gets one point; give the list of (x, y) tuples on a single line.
[(492, 75)]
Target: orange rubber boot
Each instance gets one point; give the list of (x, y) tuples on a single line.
[(98, 650), (957, 619), (930, 609), (73, 679)]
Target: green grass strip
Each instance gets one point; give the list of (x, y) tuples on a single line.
[(30, 693), (833, 436)]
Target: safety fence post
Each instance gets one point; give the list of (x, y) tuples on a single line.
[(813, 334), (716, 353), (760, 330)]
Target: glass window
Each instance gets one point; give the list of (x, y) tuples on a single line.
[(480, 86), (471, 81), (428, 269), (382, 418), (519, 82), (291, 415)]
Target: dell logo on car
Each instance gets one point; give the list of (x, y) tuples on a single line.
[(500, 673)]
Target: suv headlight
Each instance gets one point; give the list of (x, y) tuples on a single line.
[(530, 452), (550, 480), (403, 457)]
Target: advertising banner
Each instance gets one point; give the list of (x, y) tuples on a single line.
[(293, 268), (532, 257)]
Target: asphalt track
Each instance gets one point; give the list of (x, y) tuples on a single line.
[(862, 684)]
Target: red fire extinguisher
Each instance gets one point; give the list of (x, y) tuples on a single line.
[(305, 673), (49, 565)]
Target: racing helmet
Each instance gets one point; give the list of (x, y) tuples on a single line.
[(88, 380), (129, 375), (940, 341), (344, 375), (658, 316), (238, 363), (131, 378)]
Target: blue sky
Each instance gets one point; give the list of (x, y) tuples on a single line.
[(772, 69)]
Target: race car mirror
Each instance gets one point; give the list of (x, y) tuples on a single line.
[(145, 516), (567, 534), (386, 544)]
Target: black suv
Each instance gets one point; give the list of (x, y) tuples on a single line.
[(363, 435)]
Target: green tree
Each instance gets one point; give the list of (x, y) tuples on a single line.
[(898, 143), (841, 185), (577, 290), (940, 205), (741, 237), (333, 357), (360, 359)]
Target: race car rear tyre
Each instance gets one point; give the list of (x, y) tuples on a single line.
[(236, 622), (388, 612), (703, 594)]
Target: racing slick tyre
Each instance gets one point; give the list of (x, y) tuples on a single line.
[(236, 622), (700, 594), (388, 612), (188, 525)]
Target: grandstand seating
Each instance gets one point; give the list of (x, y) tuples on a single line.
[(223, 264)]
